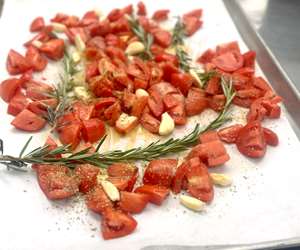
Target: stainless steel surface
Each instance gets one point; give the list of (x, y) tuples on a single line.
[(277, 22), (1, 6)]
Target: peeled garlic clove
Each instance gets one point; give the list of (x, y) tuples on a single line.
[(76, 57), (135, 48), (79, 43), (82, 93), (192, 203), (167, 124), (37, 43), (221, 179), (141, 93), (111, 191), (58, 27)]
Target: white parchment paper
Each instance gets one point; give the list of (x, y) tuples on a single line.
[(262, 205)]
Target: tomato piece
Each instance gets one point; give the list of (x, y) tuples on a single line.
[(199, 183), (37, 90), (96, 42), (257, 111), (53, 49), (179, 177), (28, 121), (229, 134), (270, 137), (249, 59), (87, 175), (249, 93), (76, 31), (261, 83), (171, 101), (114, 52), (161, 89), (117, 224), (17, 103), (195, 102), (9, 88), (194, 13), (91, 70), (133, 202), (213, 86), (121, 170), (160, 172), (217, 102), (92, 130), (89, 18), (142, 11), (70, 134), (157, 194), (114, 15), (251, 141), (229, 61), (37, 24), (273, 111), (139, 106), (56, 181), (128, 9), (168, 69), (150, 123), (155, 104), (191, 25), (162, 38), (113, 113), (16, 63), (166, 57), (82, 110), (36, 61), (160, 15), (97, 201), (183, 81), (227, 47), (206, 56), (178, 112), (208, 136)]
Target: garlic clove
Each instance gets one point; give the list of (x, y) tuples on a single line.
[(222, 180), (111, 191), (141, 93), (192, 203), (135, 48), (167, 124)]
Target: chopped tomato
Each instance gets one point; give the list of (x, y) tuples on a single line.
[(92, 130), (217, 102), (160, 15), (251, 141), (206, 56), (128, 9), (178, 112), (162, 37), (168, 69), (229, 134), (117, 224), (96, 42), (37, 24), (76, 31), (270, 137), (100, 28), (17, 103), (195, 102), (155, 104), (133, 202), (142, 11), (208, 136), (56, 181), (36, 61), (37, 90), (157, 194), (97, 201), (139, 106), (89, 18), (53, 49), (166, 57), (191, 25), (229, 61), (213, 86), (87, 175), (249, 59), (160, 172), (179, 177), (261, 83), (70, 134), (194, 13), (198, 180), (114, 15), (16, 63), (82, 110), (9, 88), (182, 81), (228, 47), (28, 121), (113, 113), (150, 123)]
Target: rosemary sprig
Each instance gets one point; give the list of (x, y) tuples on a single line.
[(61, 91), (143, 36), (184, 59), (42, 155), (178, 33)]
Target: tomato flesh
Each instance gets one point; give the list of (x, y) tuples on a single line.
[(28, 121), (87, 175), (157, 194), (133, 202)]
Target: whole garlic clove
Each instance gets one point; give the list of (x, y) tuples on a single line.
[(167, 124), (192, 203), (135, 48), (111, 191), (222, 180), (58, 27), (141, 93)]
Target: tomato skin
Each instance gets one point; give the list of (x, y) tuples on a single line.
[(113, 113), (180, 176), (17, 103), (182, 81), (97, 201), (87, 175), (195, 102), (206, 56), (229, 61), (142, 11), (139, 106), (227, 47), (213, 86), (194, 13), (251, 141), (56, 181), (229, 134), (160, 15), (162, 38), (16, 63), (155, 104), (160, 172), (270, 137), (9, 88), (36, 61), (249, 59), (157, 194), (92, 130), (217, 102), (150, 123), (261, 84), (178, 112), (70, 134), (166, 57), (37, 24), (28, 121), (83, 111), (53, 49), (133, 202), (117, 224), (192, 25)]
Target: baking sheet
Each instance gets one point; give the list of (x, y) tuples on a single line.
[(262, 205)]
